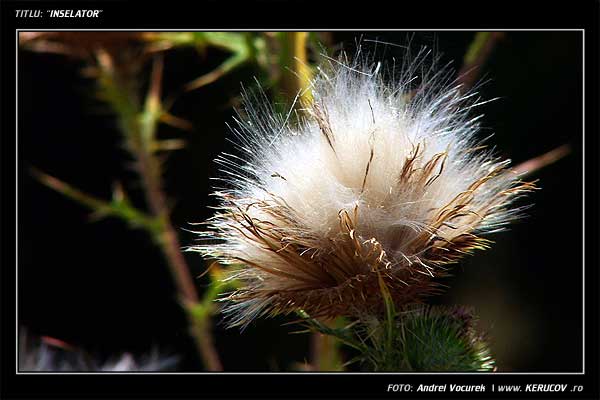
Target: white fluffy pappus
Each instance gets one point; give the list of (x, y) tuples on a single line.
[(46, 354), (378, 182)]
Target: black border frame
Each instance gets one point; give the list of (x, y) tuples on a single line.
[(324, 16)]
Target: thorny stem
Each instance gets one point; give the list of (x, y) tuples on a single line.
[(118, 207), (140, 130)]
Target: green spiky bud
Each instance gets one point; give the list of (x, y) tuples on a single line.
[(443, 340), (416, 339)]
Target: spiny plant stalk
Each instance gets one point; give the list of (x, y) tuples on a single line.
[(139, 124), (108, 61)]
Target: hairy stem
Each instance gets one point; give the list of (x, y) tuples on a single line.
[(139, 124)]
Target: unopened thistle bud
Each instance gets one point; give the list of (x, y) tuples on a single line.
[(427, 339), (376, 181)]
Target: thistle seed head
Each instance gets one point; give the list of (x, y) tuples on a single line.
[(377, 179)]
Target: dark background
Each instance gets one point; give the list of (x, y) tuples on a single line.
[(104, 287)]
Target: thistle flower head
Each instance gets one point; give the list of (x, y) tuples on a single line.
[(377, 181)]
